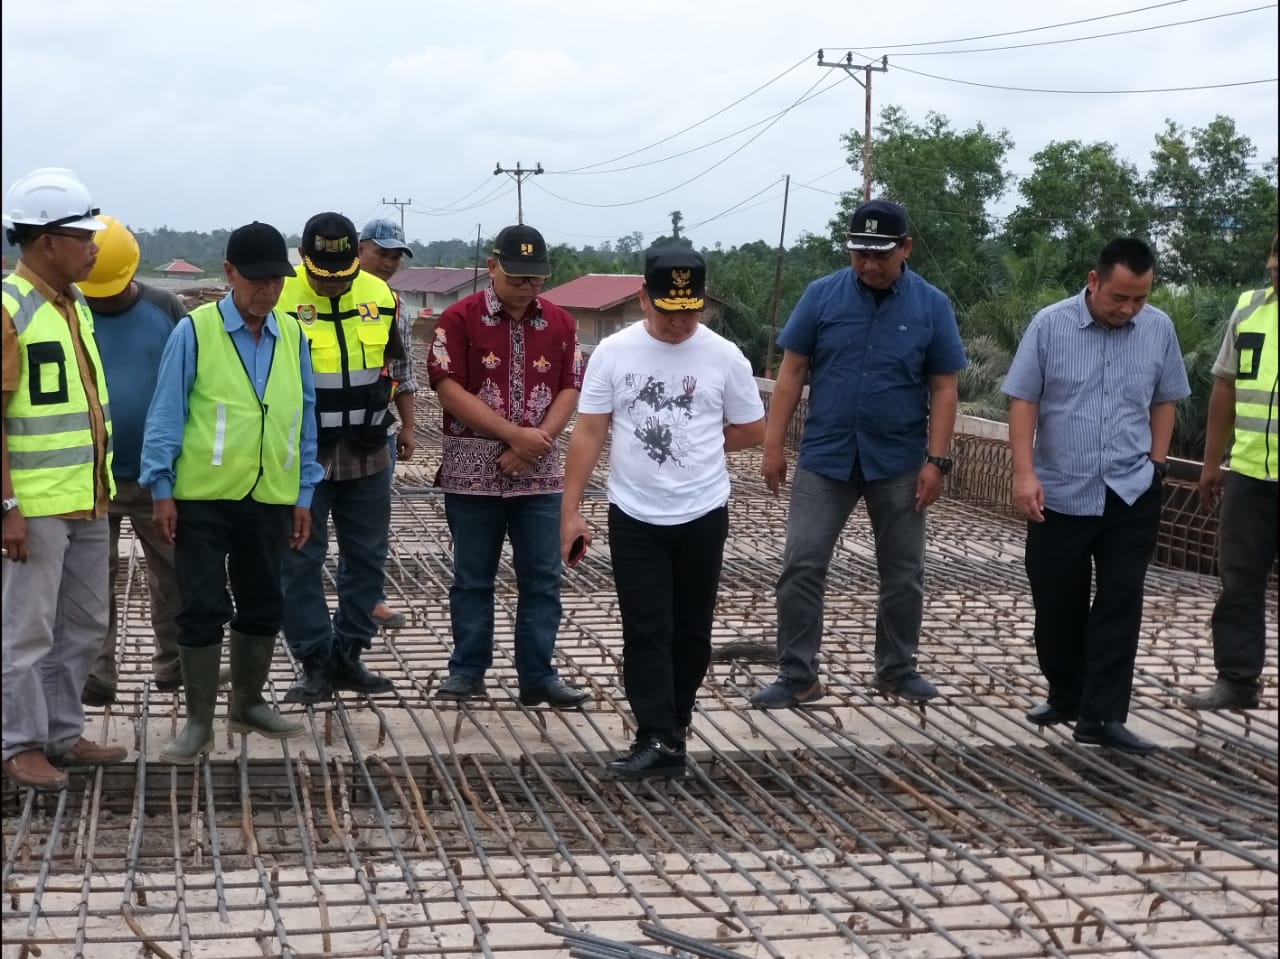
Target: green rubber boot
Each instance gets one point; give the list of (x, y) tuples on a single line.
[(200, 691), (250, 713)]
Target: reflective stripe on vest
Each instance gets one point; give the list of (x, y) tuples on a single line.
[(235, 445), (348, 350), (1254, 450), (49, 423)]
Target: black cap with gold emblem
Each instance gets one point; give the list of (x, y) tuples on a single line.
[(330, 247), (675, 279)]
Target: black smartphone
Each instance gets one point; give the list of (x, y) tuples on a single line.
[(577, 551)]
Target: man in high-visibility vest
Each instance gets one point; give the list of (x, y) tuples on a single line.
[(55, 465), (349, 317), (229, 454), (1243, 401)]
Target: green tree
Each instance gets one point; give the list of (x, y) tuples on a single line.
[(1081, 196), (945, 179), (1215, 214)]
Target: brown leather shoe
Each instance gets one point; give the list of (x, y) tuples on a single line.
[(31, 768), (86, 753)]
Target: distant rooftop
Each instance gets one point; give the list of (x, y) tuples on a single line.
[(595, 291), (436, 279), (179, 266)]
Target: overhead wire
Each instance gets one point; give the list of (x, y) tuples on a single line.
[(448, 206), (1095, 36), (1014, 33), (591, 166), (697, 176)]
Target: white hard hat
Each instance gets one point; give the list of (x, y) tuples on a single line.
[(51, 196)]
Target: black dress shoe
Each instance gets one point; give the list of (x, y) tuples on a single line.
[(1112, 734), (649, 760), (1046, 714), (554, 693), (457, 687)]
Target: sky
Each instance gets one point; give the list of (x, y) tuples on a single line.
[(207, 115)]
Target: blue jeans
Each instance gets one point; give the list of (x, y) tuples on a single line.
[(361, 510), (479, 525), (820, 507)]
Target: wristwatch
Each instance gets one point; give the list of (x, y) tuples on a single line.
[(10, 503), (944, 463)]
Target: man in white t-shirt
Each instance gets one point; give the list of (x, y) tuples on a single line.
[(675, 398)]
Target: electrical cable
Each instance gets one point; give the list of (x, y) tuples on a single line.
[(696, 176)]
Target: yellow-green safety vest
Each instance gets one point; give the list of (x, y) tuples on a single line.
[(1253, 453), (235, 445), (348, 338), (48, 426)]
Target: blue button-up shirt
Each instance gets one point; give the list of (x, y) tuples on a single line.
[(167, 417), (1095, 386), (869, 369)]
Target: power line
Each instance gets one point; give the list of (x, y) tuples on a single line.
[(448, 206), (1096, 36), (401, 204), (710, 143), (501, 190), (998, 86), (653, 196), (692, 126), (1014, 33)]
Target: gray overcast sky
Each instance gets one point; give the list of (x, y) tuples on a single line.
[(206, 115)]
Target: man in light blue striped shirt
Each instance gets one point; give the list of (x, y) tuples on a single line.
[(1093, 389)]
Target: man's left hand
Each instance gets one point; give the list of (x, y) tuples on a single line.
[(405, 446), (928, 486), (301, 527)]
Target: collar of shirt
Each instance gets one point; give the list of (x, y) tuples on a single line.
[(55, 297), (232, 320), (493, 306)]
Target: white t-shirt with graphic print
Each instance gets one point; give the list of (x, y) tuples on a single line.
[(669, 404)]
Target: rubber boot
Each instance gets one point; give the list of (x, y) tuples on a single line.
[(250, 713), (200, 690)]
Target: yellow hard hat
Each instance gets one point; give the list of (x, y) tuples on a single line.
[(117, 260)]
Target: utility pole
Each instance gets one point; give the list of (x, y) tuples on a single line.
[(848, 66), (777, 282), (401, 204), (519, 175)]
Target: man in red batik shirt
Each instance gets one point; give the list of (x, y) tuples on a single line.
[(506, 366)]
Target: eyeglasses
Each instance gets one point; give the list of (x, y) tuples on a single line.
[(85, 238), (533, 281)]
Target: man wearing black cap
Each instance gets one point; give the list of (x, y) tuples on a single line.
[(880, 350), (506, 366), (229, 454), (675, 398), (349, 319), (382, 248)]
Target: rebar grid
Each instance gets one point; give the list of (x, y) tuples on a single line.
[(860, 825)]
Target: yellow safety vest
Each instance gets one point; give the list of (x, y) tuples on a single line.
[(235, 445), (52, 457), (348, 337), (1253, 453)]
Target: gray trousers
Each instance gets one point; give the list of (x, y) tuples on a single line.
[(54, 617), (819, 509), (134, 503)]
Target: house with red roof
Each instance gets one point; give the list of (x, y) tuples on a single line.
[(603, 303), (179, 269), (427, 290)]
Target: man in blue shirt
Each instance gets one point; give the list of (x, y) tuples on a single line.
[(1092, 393), (880, 349), (131, 324), (229, 455)]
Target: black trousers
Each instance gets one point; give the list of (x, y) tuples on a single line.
[(241, 539), (1246, 551), (667, 578), (1087, 650)]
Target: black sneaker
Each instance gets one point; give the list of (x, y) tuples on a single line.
[(458, 687), (95, 695), (912, 687), (1221, 695), (648, 760)]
